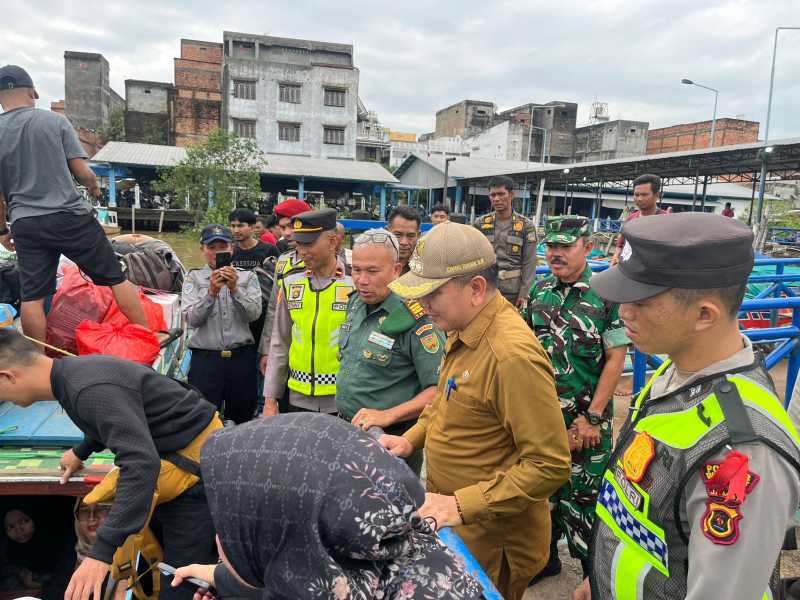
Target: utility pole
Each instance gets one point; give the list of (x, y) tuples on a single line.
[(445, 199)]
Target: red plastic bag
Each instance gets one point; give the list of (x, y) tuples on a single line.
[(129, 341), (153, 312), (77, 300)]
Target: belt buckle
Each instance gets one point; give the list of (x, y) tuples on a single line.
[(226, 354)]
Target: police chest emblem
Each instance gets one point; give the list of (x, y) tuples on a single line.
[(296, 292), (638, 457)]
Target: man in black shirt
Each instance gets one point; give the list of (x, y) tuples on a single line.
[(142, 417), (249, 252)]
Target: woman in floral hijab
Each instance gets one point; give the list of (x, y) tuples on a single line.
[(308, 506)]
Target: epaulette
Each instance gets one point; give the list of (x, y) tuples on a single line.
[(402, 318)]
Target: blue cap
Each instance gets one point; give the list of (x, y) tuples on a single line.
[(215, 231)]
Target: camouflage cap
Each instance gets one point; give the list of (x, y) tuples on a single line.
[(566, 229)]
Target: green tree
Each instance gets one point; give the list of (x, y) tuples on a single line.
[(115, 130), (225, 169)]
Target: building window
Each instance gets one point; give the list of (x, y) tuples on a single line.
[(563, 114), (289, 132), (246, 90), (244, 128), (334, 135), (289, 93), (147, 91), (335, 97)]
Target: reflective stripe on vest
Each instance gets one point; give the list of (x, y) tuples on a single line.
[(642, 545), (316, 318)]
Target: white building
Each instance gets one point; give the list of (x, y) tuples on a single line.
[(296, 97)]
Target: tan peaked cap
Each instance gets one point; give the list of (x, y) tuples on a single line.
[(448, 250)]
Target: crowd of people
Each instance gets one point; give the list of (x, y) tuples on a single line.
[(324, 379)]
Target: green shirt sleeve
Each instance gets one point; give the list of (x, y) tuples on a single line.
[(614, 334), (427, 349)]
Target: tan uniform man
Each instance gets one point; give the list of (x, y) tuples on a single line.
[(495, 440)]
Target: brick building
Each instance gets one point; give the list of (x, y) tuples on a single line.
[(695, 136), (198, 97), (464, 119)]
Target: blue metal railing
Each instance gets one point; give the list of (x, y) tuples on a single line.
[(471, 565)]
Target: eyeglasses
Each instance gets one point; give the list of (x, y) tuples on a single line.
[(86, 513), (377, 237)]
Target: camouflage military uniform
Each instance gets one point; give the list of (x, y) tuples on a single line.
[(575, 327)]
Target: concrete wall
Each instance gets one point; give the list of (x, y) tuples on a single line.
[(464, 119), (560, 125), (86, 102), (423, 175), (694, 136), (147, 96), (505, 141), (614, 139), (297, 62)]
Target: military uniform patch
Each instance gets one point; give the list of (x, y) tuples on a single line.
[(707, 472), (721, 523), (424, 328), (518, 226), (430, 342), (638, 456), (415, 308)]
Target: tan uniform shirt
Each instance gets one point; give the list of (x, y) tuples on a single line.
[(516, 252), (497, 441)]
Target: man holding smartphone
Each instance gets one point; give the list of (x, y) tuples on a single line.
[(219, 302)]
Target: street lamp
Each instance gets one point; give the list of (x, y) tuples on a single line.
[(716, 97), (762, 183)]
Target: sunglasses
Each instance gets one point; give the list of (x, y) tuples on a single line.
[(378, 238)]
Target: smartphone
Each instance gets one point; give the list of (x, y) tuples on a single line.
[(223, 259), (169, 571)]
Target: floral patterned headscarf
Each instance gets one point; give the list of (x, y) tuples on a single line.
[(308, 506)]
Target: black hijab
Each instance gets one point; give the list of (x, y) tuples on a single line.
[(308, 506)]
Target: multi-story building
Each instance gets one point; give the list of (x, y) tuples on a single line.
[(89, 100), (372, 140), (464, 119), (292, 96), (508, 140), (198, 97), (694, 136), (149, 107), (610, 139), (403, 145)]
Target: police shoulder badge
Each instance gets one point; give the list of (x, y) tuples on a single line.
[(518, 225), (721, 523), (638, 457)]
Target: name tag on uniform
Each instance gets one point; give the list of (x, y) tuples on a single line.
[(384, 341)]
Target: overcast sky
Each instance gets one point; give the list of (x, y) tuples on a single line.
[(416, 57)]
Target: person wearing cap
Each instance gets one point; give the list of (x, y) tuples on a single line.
[(287, 263), (703, 483), (646, 194), (586, 342), (219, 303), (311, 306), (390, 351), (494, 438), (39, 155), (513, 238)]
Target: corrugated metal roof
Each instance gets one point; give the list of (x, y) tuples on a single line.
[(149, 155), (465, 167)]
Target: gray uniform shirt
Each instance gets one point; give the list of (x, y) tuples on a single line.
[(35, 179), (278, 363), (221, 322), (742, 569)]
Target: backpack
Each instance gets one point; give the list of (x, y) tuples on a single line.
[(10, 289), (147, 269)]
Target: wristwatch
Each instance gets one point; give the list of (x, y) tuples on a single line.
[(594, 418)]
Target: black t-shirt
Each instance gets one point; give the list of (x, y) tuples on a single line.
[(254, 257), (139, 415)]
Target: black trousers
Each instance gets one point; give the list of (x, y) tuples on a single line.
[(229, 383), (186, 533)]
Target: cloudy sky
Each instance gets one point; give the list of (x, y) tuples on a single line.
[(418, 56)]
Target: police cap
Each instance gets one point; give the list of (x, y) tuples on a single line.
[(308, 226), (686, 250)]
